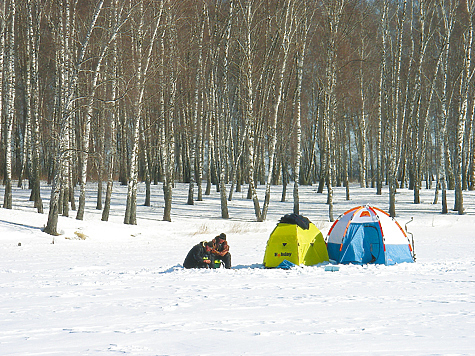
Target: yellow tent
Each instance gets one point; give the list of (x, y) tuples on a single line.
[(289, 241)]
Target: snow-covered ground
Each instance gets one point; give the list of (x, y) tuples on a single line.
[(122, 290)]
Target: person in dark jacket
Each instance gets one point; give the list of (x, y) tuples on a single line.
[(198, 257), (220, 250)]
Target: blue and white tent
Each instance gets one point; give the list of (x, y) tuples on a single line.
[(367, 234)]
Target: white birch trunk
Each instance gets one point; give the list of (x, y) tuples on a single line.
[(199, 144), (463, 112), (362, 122), (113, 117), (34, 38), (225, 112), (146, 154), (427, 110), (26, 142), (112, 149), (287, 28), (249, 109), (2, 61), (227, 107), (448, 21), (10, 102), (382, 103), (165, 116), (131, 204), (393, 120), (221, 146), (195, 124), (419, 118), (168, 138), (142, 70), (471, 173), (334, 12), (301, 50), (67, 90)]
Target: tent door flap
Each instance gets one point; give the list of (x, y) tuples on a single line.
[(372, 244)]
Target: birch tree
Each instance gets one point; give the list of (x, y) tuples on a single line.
[(25, 137), (225, 113), (418, 117), (447, 9), (333, 11), (300, 57), (3, 10), (361, 119), (195, 128), (247, 15), (394, 116), (383, 95), (168, 126), (113, 112), (464, 113), (143, 64), (33, 30), (236, 130), (9, 99)]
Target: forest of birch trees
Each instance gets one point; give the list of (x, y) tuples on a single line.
[(232, 95)]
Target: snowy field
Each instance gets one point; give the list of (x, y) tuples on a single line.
[(122, 291)]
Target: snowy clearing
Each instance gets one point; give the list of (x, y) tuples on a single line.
[(105, 288)]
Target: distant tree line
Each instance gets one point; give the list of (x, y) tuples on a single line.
[(235, 94)]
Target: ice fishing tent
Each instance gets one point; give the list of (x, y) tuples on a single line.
[(367, 234), (296, 240)]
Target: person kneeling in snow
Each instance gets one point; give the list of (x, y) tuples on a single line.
[(220, 250), (198, 257)]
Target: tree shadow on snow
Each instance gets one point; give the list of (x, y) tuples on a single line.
[(20, 225)]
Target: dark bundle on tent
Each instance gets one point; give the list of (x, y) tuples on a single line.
[(295, 219)]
